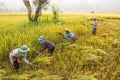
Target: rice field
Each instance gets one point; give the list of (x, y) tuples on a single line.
[(93, 57)]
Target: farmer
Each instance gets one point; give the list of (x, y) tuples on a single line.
[(95, 24), (92, 18), (70, 35), (46, 45), (16, 53)]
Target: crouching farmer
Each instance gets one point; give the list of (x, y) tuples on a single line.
[(45, 44), (16, 53), (70, 35)]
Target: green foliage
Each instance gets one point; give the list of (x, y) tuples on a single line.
[(35, 2), (44, 6), (55, 11)]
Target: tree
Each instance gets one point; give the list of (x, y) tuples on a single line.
[(39, 5), (35, 2), (55, 11)]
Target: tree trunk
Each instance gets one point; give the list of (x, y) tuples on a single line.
[(27, 4), (38, 11)]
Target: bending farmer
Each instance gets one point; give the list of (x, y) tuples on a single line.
[(46, 45), (19, 52), (70, 35)]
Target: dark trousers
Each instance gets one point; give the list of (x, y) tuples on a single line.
[(94, 31), (51, 50), (72, 40), (16, 65)]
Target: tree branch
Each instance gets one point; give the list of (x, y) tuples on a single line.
[(38, 10)]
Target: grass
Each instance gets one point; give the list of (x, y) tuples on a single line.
[(93, 57)]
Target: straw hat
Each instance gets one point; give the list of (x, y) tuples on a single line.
[(67, 29)]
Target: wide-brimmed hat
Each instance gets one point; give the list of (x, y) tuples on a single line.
[(41, 38), (67, 29), (23, 49)]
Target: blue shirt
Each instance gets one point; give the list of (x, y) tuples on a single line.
[(69, 35)]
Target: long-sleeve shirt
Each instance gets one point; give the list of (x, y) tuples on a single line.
[(95, 24), (47, 44), (15, 53), (69, 35)]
